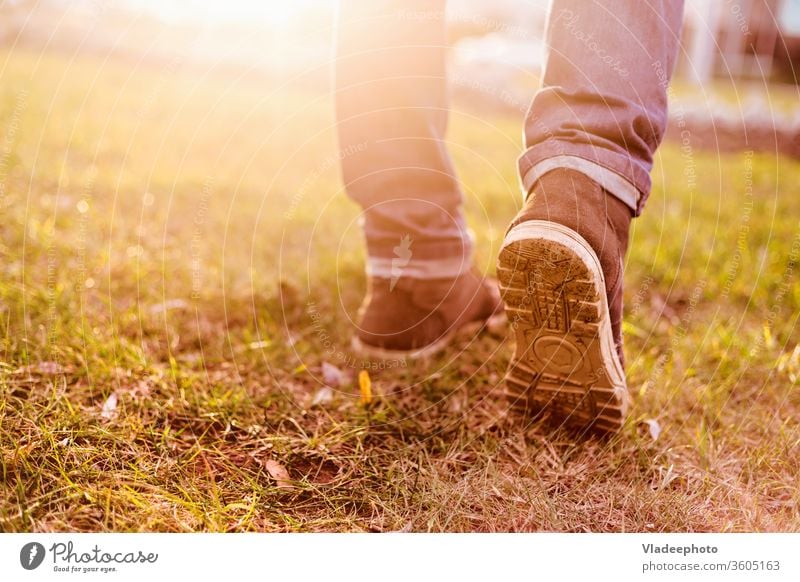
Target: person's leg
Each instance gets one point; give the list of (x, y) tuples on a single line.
[(602, 108), (591, 134), (391, 108)]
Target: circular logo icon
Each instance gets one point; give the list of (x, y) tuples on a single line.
[(31, 555)]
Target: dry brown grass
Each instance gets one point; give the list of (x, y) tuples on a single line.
[(163, 289)]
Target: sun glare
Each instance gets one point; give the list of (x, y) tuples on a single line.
[(253, 12)]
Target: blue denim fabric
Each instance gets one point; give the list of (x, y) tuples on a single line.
[(602, 104)]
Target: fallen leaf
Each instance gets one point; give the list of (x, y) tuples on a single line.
[(664, 309), (322, 396), (140, 390), (365, 387), (654, 427), (260, 345), (331, 375), (43, 368), (458, 402), (109, 407), (168, 306), (768, 339), (50, 368), (279, 473)]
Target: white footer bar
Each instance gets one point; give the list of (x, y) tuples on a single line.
[(351, 557)]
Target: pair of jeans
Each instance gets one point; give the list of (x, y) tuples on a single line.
[(601, 110)]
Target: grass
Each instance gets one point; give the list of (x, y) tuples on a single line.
[(179, 239)]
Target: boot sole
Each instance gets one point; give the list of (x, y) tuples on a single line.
[(565, 361), (469, 329)]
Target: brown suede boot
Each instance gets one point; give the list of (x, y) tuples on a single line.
[(419, 317), (560, 271)]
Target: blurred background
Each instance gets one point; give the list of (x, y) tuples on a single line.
[(743, 38), (742, 45)]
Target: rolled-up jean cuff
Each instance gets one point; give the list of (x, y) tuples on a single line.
[(625, 181), (429, 261)]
